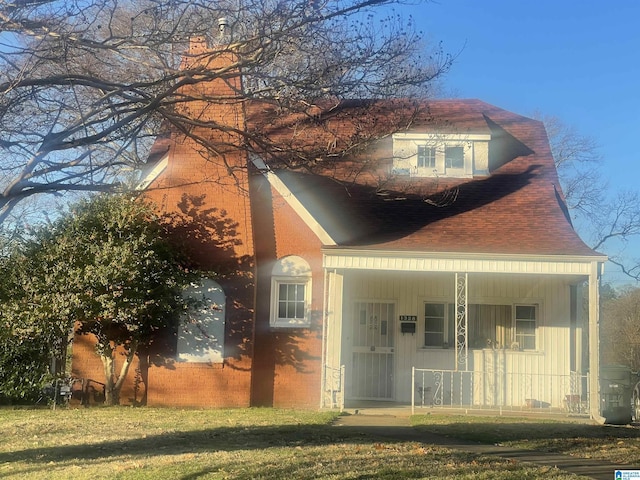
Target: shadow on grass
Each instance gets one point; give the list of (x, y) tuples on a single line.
[(179, 442), (261, 437), (354, 452), (497, 432)]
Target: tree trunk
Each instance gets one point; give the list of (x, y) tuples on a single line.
[(133, 348), (109, 384), (113, 384)]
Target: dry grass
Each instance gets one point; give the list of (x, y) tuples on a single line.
[(146, 443), (616, 444)]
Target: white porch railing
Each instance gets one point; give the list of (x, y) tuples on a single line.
[(333, 391), (499, 390)]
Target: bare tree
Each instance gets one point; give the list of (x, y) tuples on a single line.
[(608, 220), (621, 329), (87, 85), (577, 159)]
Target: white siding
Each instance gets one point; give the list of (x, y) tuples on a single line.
[(334, 320), (472, 263), (409, 291)]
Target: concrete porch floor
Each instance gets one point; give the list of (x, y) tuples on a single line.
[(404, 410)]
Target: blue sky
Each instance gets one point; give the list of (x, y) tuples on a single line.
[(577, 60)]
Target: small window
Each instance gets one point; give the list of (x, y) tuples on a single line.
[(439, 325), (291, 301), (454, 157), (290, 293), (426, 157), (435, 333), (525, 326), (439, 154)]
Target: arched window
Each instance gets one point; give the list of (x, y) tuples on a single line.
[(201, 331), (290, 293)]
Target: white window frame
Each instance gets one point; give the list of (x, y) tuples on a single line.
[(448, 164), (407, 145), (519, 338), (429, 156), (291, 270), (446, 341)]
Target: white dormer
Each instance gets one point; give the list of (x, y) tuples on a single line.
[(441, 155)]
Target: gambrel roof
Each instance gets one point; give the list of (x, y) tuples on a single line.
[(518, 208)]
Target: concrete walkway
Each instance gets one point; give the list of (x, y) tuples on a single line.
[(399, 428)]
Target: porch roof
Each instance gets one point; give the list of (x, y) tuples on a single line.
[(358, 259)]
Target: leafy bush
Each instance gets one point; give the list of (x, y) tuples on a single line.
[(24, 367)]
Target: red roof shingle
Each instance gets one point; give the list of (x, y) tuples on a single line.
[(517, 209)]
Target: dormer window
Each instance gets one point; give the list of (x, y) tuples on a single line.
[(454, 157), (446, 155), (426, 157)]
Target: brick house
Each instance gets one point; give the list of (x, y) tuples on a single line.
[(438, 265)]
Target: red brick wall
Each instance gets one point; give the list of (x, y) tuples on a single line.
[(263, 366), (211, 218), (287, 362), (198, 384)]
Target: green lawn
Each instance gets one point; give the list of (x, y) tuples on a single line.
[(147, 443)]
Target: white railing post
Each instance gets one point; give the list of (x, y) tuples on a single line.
[(413, 390), (541, 392), (342, 388)]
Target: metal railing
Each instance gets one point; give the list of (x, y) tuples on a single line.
[(333, 391), (499, 390)]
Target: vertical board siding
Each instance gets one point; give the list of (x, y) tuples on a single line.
[(334, 320), (409, 291)]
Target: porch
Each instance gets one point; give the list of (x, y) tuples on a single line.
[(502, 336), (500, 390), (475, 393)]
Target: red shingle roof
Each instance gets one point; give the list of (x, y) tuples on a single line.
[(517, 209)]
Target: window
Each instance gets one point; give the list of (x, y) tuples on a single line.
[(290, 293), (435, 154), (490, 326), (291, 301), (454, 157), (434, 332), (525, 327), (502, 326), (426, 157), (439, 325)]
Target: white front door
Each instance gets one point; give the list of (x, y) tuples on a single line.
[(373, 341)]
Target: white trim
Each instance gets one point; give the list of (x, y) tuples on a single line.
[(594, 346), (275, 321), (293, 201), (290, 270), (475, 154), (458, 262), (536, 325), (154, 173), (443, 137)]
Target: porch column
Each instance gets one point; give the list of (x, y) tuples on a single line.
[(462, 344), (332, 383), (594, 343)]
